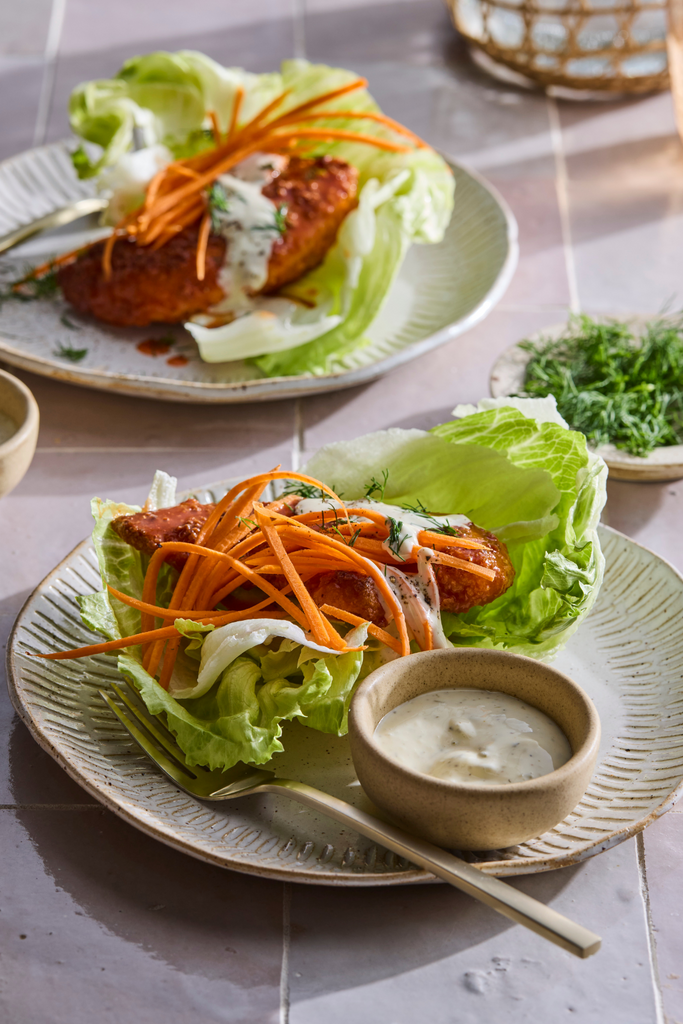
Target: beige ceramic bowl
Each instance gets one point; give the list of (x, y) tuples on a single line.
[(17, 403), (473, 816)]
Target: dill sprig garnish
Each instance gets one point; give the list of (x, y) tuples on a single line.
[(395, 538), (74, 355), (218, 203), (28, 288), (375, 487), (611, 385), (434, 525), (304, 490)]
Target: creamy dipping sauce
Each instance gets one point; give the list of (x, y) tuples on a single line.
[(469, 735), (8, 427)]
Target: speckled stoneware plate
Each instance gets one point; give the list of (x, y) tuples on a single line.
[(666, 463), (628, 655), (442, 290)]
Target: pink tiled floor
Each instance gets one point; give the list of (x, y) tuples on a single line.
[(99, 922)]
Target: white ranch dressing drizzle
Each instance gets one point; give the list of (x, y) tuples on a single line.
[(471, 735), (418, 594), (250, 228)]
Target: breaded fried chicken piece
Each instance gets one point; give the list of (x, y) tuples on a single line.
[(349, 591), (318, 195), (161, 285), (460, 590), (146, 286)]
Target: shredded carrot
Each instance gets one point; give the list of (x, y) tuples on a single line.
[(426, 538), (236, 107), (107, 254), (307, 603), (334, 134), (356, 620), (158, 612), (215, 126), (202, 243), (461, 563), (365, 115), (165, 633)]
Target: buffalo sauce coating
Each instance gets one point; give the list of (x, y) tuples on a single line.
[(471, 735)]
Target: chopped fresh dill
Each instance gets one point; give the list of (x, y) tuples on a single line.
[(68, 323), (27, 288), (74, 355), (218, 203), (304, 490), (251, 523), (375, 487), (281, 219), (352, 540), (611, 384), (279, 222), (395, 538), (434, 525)]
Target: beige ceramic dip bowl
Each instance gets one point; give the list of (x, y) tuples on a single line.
[(473, 816), (19, 421)]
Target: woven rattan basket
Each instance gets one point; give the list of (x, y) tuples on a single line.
[(612, 45)]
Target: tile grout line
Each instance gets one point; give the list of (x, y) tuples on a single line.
[(297, 435), (649, 927), (286, 938), (561, 185), (299, 28), (54, 34)]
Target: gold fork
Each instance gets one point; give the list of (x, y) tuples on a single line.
[(160, 745)]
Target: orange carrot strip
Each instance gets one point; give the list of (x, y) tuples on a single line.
[(461, 563), (357, 83), (309, 536), (333, 134), (57, 261), (366, 115), (307, 603), (236, 107), (427, 538), (107, 255), (202, 243), (166, 632), (215, 126), (356, 620), (245, 571), (156, 611)]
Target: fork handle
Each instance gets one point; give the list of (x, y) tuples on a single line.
[(490, 890), (56, 219)]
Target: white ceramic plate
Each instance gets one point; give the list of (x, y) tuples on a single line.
[(442, 290), (628, 655), (666, 463)]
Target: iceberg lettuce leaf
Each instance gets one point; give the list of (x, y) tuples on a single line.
[(165, 99), (533, 482)]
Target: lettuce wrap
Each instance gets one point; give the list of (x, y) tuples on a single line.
[(511, 466), (157, 109)]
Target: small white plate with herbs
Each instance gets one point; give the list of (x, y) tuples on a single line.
[(618, 380)]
